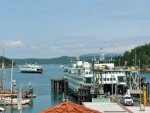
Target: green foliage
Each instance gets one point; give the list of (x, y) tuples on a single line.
[(59, 60), (139, 53), (7, 62)]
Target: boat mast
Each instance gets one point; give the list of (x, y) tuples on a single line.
[(2, 76), (135, 58), (11, 82), (101, 55)]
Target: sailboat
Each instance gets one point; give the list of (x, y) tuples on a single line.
[(9, 98)]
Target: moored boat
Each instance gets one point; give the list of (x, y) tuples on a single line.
[(31, 68), (10, 96), (14, 101)]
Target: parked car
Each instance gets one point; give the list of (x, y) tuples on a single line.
[(127, 100)]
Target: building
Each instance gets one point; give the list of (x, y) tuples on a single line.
[(69, 107)]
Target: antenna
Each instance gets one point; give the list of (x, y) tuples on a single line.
[(135, 58), (77, 57), (101, 54)]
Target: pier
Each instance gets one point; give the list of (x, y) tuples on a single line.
[(59, 85), (84, 95), (25, 93), (134, 82)]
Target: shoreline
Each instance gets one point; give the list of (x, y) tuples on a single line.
[(145, 70)]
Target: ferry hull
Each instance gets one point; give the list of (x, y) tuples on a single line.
[(26, 71), (74, 93)]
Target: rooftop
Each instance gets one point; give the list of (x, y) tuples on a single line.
[(116, 107), (103, 107), (69, 107)]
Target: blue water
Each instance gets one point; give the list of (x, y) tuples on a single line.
[(42, 88)]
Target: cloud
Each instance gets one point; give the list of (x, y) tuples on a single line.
[(120, 45), (11, 44), (129, 16)]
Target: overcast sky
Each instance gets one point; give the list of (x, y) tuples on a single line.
[(54, 28)]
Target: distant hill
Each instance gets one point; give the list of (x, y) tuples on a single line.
[(141, 52), (60, 60)]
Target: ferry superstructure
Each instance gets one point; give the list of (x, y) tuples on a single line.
[(78, 74), (101, 72), (107, 75)]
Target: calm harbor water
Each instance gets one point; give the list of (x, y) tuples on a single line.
[(42, 88)]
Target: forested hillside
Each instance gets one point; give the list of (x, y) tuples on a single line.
[(7, 62), (140, 55), (59, 60)]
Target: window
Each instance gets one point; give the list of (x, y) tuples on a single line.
[(121, 79), (128, 98), (88, 80), (100, 79)]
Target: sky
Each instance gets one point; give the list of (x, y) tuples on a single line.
[(55, 28)]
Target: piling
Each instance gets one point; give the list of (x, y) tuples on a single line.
[(59, 85), (84, 95)]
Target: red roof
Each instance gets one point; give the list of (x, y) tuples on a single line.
[(69, 107)]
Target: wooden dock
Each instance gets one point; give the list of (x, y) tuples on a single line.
[(59, 85), (84, 95)]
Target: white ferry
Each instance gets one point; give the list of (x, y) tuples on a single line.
[(78, 74), (102, 72), (31, 68)]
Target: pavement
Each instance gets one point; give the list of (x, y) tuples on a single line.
[(137, 108)]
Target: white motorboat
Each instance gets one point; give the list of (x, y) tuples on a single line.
[(14, 101), (1, 109), (31, 68), (61, 66)]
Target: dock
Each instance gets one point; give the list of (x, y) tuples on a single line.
[(86, 93), (26, 94), (59, 85)]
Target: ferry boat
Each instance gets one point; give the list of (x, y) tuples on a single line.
[(78, 74), (31, 68), (102, 72)]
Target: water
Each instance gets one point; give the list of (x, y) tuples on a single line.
[(146, 74), (42, 88)]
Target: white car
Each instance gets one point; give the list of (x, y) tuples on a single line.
[(127, 100)]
